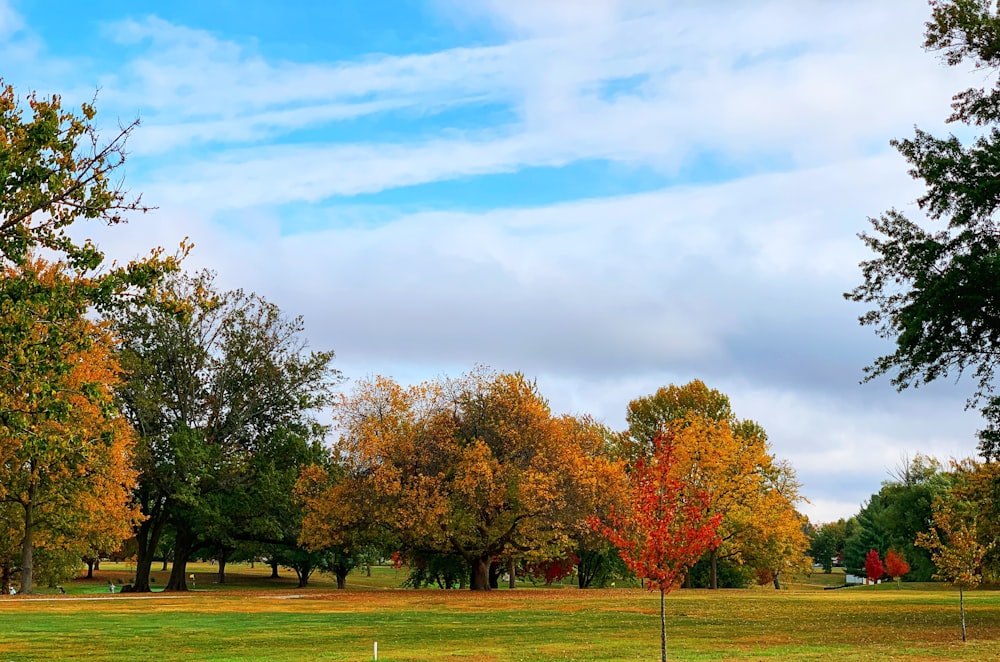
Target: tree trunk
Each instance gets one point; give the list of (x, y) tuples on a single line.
[(303, 571), (663, 627), (182, 551), (479, 578), (27, 545), (494, 574), (961, 609), (777, 582), (713, 575), (147, 537), (510, 573), (223, 557), (341, 572), (90, 567), (5, 578), (274, 569)]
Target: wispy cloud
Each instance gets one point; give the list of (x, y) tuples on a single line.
[(740, 87)]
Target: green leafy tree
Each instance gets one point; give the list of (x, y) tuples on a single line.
[(909, 499), (212, 387), (935, 292), (867, 533), (893, 517), (827, 543), (55, 170)]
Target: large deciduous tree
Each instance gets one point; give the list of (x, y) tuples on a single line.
[(212, 386), (667, 523), (977, 485), (476, 467), (65, 452), (936, 292), (54, 171)]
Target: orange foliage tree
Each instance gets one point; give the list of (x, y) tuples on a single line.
[(476, 467), (667, 525), (65, 452)]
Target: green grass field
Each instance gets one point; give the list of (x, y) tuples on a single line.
[(257, 618)]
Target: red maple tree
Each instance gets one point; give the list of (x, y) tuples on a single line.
[(873, 566), (895, 565), (667, 527)]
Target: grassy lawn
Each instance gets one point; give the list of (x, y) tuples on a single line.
[(254, 617)]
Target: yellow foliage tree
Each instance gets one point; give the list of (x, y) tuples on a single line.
[(730, 460), (956, 551)]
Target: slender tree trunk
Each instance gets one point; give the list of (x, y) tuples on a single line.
[(713, 581), (274, 569), (223, 557), (5, 578), (182, 551), (777, 582), (510, 573), (27, 544), (90, 567), (479, 579), (663, 627), (494, 575), (961, 609)]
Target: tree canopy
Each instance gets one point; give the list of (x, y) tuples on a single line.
[(936, 292), (476, 466)]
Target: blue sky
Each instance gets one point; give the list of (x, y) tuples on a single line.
[(610, 195)]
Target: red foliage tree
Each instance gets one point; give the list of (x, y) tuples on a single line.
[(896, 565), (554, 570), (873, 566), (667, 527)]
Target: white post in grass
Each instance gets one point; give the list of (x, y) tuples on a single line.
[(376, 651)]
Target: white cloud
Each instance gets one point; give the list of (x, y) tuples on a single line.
[(736, 282), (746, 84)]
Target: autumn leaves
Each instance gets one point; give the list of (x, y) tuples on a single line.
[(479, 468), (476, 467)]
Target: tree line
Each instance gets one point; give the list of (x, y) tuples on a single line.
[(145, 412)]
